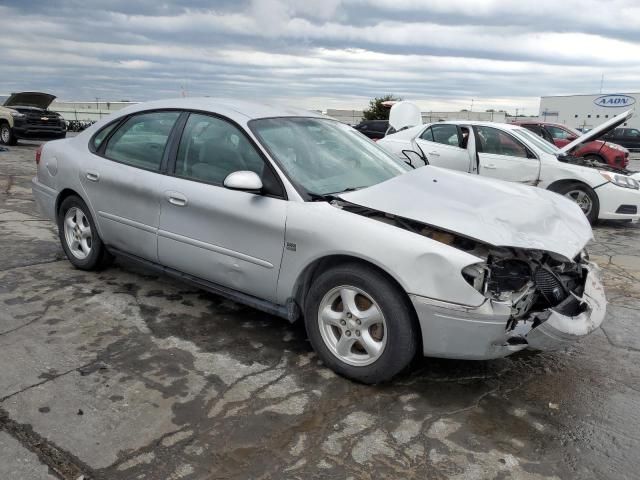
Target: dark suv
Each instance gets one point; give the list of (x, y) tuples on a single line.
[(374, 129), (26, 116), (627, 137)]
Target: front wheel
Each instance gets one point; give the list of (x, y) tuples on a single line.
[(6, 135), (584, 197), (360, 323), (79, 236)]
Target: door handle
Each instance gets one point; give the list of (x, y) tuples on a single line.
[(491, 166), (93, 176), (434, 154), (177, 199)]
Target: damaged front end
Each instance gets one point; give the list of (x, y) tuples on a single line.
[(534, 299), (552, 301)]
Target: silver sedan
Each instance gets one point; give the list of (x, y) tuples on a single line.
[(303, 217)]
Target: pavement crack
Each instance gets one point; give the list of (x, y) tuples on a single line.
[(62, 463), (39, 317), (25, 265)]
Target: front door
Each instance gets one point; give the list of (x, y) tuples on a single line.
[(122, 181), (232, 238), (504, 157)]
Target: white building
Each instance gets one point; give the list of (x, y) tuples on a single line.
[(354, 117), (87, 111), (587, 111)]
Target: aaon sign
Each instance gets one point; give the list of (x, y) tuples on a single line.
[(614, 101)]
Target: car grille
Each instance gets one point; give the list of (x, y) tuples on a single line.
[(549, 286)]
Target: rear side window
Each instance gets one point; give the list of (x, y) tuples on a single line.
[(101, 135), (141, 140), (427, 135)]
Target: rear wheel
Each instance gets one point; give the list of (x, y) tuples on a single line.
[(584, 197), (6, 135), (360, 323), (79, 236)]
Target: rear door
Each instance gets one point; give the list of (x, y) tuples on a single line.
[(228, 237), (504, 157), (445, 146), (122, 180)]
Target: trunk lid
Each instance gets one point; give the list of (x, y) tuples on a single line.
[(491, 211), (30, 99)]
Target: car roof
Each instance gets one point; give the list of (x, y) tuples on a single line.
[(504, 126), (236, 109)]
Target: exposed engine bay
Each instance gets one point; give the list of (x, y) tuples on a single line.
[(531, 281)]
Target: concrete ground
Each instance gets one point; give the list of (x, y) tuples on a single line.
[(126, 375)]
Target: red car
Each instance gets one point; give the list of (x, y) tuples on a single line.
[(597, 150)]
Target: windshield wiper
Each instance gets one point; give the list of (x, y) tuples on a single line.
[(319, 197)]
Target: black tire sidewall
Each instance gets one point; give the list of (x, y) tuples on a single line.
[(95, 258), (11, 141), (402, 330)]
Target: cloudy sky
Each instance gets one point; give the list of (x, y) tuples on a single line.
[(322, 53)]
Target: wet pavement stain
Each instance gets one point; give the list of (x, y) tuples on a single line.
[(173, 382)]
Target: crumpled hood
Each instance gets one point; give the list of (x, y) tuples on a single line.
[(30, 99), (492, 211)]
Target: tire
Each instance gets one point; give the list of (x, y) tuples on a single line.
[(6, 135), (79, 236), (391, 343), (582, 194)]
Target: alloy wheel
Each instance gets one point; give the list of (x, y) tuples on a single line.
[(5, 134), (77, 233), (582, 199), (352, 325)]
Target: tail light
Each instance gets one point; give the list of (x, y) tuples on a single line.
[(38, 154)]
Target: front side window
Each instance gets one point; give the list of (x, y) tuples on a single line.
[(446, 134), (325, 156), (633, 132), (141, 140), (497, 142), (212, 148)]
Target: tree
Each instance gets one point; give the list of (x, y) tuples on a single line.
[(376, 110)]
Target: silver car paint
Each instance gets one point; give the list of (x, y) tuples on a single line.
[(424, 268), (229, 237), (495, 212)]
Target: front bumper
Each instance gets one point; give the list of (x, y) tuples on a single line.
[(612, 198), (480, 333), (50, 130)]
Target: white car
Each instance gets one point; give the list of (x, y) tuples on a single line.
[(513, 153)]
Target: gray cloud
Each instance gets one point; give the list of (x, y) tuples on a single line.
[(440, 53)]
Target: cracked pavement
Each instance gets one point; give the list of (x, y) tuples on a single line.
[(123, 374)]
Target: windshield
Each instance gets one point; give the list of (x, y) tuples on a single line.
[(325, 156), (537, 141)]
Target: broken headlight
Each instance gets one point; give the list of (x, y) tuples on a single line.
[(621, 180), (475, 275)]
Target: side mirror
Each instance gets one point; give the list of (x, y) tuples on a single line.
[(571, 138), (413, 156), (244, 180)]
